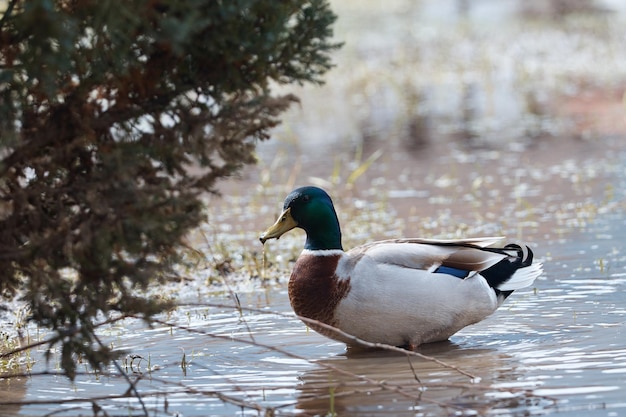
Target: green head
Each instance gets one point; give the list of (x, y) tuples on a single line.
[(311, 209)]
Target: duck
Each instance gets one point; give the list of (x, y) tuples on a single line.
[(403, 292)]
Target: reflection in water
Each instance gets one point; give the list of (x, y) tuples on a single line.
[(383, 382)]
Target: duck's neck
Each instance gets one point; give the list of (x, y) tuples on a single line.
[(324, 236), (317, 242)]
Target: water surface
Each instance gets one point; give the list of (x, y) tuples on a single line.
[(558, 348)]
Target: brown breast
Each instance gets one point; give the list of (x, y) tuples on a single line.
[(314, 289)]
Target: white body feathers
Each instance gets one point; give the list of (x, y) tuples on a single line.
[(396, 297)]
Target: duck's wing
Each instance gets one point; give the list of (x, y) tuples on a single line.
[(505, 269), (431, 254)]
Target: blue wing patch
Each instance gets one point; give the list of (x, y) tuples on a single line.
[(459, 273)]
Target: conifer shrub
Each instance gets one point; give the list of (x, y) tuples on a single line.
[(115, 118)]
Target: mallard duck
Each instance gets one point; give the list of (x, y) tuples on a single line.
[(400, 292)]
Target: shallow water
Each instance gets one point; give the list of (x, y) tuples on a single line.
[(490, 145), (556, 349)]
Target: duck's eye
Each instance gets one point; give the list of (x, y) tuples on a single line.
[(306, 198)]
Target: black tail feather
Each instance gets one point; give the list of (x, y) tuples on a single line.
[(501, 272)]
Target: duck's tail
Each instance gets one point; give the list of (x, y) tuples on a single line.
[(515, 271)]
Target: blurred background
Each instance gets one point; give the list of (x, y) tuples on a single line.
[(459, 117)]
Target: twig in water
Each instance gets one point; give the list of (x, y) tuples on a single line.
[(132, 388)]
